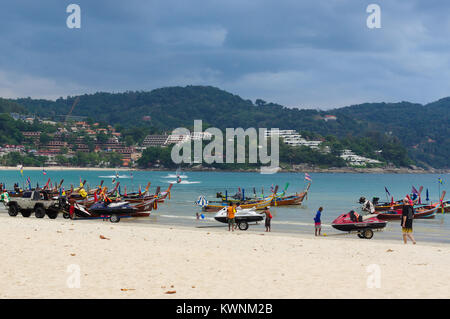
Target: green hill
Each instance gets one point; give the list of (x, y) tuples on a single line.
[(422, 129)]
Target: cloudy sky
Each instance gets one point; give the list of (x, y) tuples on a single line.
[(309, 54)]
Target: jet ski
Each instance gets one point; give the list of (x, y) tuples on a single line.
[(242, 217), (363, 225), (114, 211)]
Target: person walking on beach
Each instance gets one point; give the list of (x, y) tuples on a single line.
[(318, 222), (268, 219), (230, 216), (407, 221)]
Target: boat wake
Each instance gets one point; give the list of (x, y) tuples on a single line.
[(116, 176), (182, 182), (175, 176)]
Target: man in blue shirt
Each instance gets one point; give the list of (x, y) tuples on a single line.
[(317, 221)]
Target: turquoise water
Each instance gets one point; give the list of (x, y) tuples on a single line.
[(337, 193)]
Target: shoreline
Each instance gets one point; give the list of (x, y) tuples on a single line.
[(347, 170), (209, 263)]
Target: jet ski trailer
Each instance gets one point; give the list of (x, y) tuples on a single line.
[(362, 225), (243, 217)]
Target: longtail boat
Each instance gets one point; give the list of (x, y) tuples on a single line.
[(257, 205), (394, 205), (423, 212), (296, 199)]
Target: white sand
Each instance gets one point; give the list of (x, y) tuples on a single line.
[(207, 263)]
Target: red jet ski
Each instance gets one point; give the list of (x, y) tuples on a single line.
[(363, 225)]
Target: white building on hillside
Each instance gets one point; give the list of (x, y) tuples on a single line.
[(356, 160), (293, 138)]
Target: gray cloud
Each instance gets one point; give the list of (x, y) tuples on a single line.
[(296, 53)]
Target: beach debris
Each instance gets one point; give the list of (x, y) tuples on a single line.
[(389, 250), (163, 286), (170, 292), (72, 254), (103, 237), (127, 289), (193, 287), (172, 286)]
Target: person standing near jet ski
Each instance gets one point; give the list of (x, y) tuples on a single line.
[(367, 205), (231, 211), (268, 219), (407, 220), (318, 222)]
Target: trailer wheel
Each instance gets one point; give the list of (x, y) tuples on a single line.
[(39, 212), (360, 235), (13, 210), (114, 218), (368, 233), (26, 213), (243, 225), (66, 215)]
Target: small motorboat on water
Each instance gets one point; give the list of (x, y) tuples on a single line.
[(242, 217), (363, 225)]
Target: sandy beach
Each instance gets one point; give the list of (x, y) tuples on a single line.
[(42, 258)]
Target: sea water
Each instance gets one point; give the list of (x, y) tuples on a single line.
[(337, 193)]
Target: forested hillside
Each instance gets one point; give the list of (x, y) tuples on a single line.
[(422, 129)]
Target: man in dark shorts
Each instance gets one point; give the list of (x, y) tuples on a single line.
[(268, 218), (407, 221)]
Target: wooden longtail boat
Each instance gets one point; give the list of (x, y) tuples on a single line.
[(394, 205), (257, 204), (423, 212), (296, 199)]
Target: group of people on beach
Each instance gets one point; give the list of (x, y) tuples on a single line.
[(367, 206)]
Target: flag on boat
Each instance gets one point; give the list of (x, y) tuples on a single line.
[(307, 177), (21, 169), (202, 201), (29, 182), (44, 171), (415, 191), (440, 181), (387, 191), (428, 196)]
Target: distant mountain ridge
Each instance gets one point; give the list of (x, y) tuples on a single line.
[(423, 129)]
